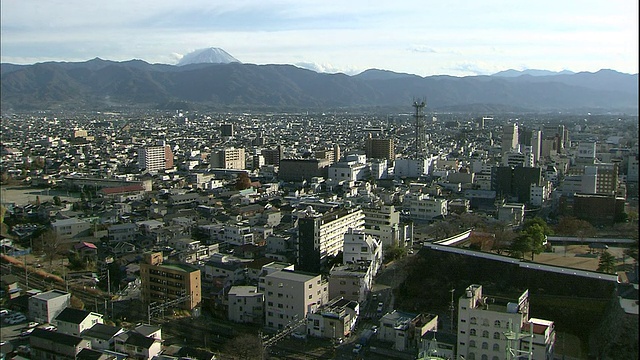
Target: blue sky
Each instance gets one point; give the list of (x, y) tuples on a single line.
[(427, 37)]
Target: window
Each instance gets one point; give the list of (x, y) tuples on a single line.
[(496, 347), (485, 334), (472, 343), (496, 323), (495, 358), (496, 335), (310, 297), (310, 286), (471, 356), (474, 320), (279, 306), (484, 357), (485, 345), (472, 332)]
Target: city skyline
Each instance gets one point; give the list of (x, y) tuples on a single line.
[(414, 37)]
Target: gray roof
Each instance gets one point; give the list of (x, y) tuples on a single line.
[(57, 337), (48, 295), (73, 316), (101, 331)]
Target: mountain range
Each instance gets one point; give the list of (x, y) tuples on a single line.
[(200, 84)]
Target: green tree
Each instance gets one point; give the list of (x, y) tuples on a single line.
[(535, 232), (607, 263), (57, 201), (632, 252), (521, 245)]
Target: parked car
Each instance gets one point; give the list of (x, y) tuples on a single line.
[(16, 319), (357, 348), (297, 335), (380, 306), (374, 328), (49, 328), (4, 312), (26, 332), (32, 324)]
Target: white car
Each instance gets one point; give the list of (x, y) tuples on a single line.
[(297, 335), (49, 328), (32, 324), (26, 332)]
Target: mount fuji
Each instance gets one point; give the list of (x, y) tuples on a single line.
[(210, 55)]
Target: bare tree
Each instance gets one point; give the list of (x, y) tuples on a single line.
[(52, 246), (245, 346)]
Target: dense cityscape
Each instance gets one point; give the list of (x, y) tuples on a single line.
[(188, 235)]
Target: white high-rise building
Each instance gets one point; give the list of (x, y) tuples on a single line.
[(228, 158), (359, 246), (155, 158)]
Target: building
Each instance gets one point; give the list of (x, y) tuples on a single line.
[(245, 305), (44, 307), (137, 345), (383, 222), (227, 130), (71, 228), (351, 281), (302, 169), (122, 232), (514, 184), (228, 158), (102, 336), (291, 295), (598, 209), (165, 282), (74, 321), (376, 148), (484, 322), (359, 246), (155, 158), (509, 138), (405, 330), (272, 156), (586, 153), (334, 320), (46, 345), (512, 214), (423, 207), (321, 236)]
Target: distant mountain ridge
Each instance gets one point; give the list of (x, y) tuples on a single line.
[(103, 84), (531, 72)]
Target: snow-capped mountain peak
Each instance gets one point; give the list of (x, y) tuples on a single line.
[(210, 55)]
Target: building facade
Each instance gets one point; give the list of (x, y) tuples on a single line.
[(165, 282)]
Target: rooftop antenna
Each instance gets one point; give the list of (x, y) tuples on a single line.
[(420, 135)]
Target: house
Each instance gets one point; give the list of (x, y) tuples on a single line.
[(10, 286), (137, 346), (47, 345), (102, 336), (86, 251), (89, 354), (245, 305), (334, 320), (74, 321), (44, 307), (405, 330)]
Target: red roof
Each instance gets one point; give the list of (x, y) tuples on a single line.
[(86, 244)]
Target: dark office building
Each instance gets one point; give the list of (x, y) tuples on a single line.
[(227, 130), (514, 184), (272, 156), (599, 210), (376, 148), (302, 169)]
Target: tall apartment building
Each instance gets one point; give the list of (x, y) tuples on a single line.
[(376, 148), (272, 156), (290, 295), (227, 130), (228, 158), (162, 282), (586, 154), (383, 222), (155, 158), (321, 236), (483, 323), (509, 137)]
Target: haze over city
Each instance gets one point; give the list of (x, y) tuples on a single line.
[(423, 38)]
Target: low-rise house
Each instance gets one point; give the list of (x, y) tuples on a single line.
[(334, 320), (405, 330), (137, 346), (46, 345), (74, 321), (102, 336), (10, 286), (122, 232), (86, 251)]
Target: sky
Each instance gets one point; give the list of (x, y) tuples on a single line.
[(457, 38)]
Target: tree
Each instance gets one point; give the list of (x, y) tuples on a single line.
[(245, 346), (57, 201), (632, 252), (607, 263), (243, 181), (535, 232), (51, 246), (521, 245)]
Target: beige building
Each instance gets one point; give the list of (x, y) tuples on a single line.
[(291, 295), (376, 148), (228, 158), (165, 282), (334, 320), (245, 305), (485, 325)]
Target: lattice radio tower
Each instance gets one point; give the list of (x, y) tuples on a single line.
[(420, 135)]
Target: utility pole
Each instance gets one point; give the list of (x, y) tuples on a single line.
[(452, 309), (26, 273)]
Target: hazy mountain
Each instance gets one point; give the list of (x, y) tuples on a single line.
[(210, 55), (532, 72), (100, 84)]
